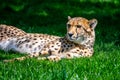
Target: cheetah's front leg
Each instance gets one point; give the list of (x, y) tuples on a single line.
[(50, 58)]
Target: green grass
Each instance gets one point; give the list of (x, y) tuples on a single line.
[(51, 18), (103, 65)]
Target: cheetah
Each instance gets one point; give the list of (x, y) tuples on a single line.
[(78, 42)]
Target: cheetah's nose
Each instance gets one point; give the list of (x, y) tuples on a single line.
[(70, 34)]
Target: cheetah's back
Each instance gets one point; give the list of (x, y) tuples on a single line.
[(10, 31)]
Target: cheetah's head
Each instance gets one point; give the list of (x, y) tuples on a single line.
[(80, 30)]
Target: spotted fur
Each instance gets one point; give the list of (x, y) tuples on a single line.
[(7, 32), (10, 31), (78, 42)]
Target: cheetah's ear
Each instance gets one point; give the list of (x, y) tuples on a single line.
[(93, 23), (69, 17)]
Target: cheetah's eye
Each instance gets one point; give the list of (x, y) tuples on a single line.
[(68, 25), (79, 26)]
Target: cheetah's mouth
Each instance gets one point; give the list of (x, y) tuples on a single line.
[(79, 39)]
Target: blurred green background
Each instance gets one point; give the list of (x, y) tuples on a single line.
[(50, 17), (46, 12)]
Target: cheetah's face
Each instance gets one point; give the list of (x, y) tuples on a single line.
[(80, 29)]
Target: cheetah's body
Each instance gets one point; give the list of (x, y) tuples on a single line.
[(78, 42), (7, 32)]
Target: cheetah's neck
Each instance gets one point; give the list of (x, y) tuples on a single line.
[(87, 44)]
